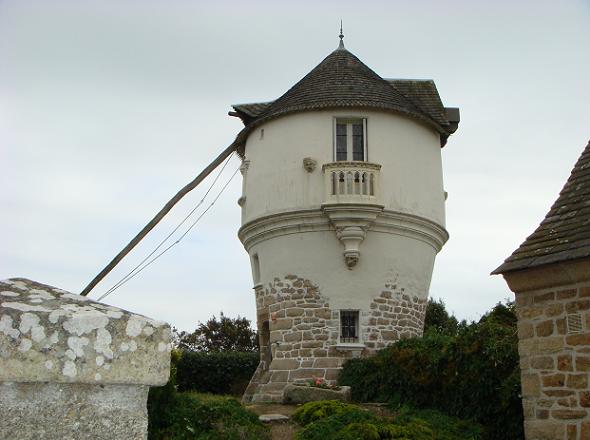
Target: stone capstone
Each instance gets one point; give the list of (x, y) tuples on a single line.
[(304, 393), (73, 368), (269, 418), (50, 335)]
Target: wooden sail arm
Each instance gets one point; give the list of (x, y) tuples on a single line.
[(158, 217)]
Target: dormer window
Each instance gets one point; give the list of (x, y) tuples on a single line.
[(350, 140)]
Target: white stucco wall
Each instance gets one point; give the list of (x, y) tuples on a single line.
[(409, 152), (317, 256)]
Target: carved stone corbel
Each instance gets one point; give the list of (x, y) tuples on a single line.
[(351, 222)]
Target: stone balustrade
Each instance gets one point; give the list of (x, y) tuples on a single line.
[(351, 182)]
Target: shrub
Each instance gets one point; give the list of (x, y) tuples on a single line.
[(331, 420), (473, 375), (174, 415), (313, 411), (196, 417), (216, 372)]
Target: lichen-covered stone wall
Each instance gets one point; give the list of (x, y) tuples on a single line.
[(303, 340), (82, 357)]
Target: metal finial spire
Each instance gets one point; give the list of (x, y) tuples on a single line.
[(341, 36)]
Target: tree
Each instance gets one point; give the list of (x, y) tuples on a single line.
[(438, 320), (225, 334)]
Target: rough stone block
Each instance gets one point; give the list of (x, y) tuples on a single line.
[(578, 381), (544, 328), (568, 414), (566, 294), (553, 310), (577, 306), (543, 430), (525, 330), (303, 394), (281, 324), (572, 432), (584, 399), (582, 363), (331, 362), (306, 374), (295, 311), (564, 362), (544, 297), (542, 363), (292, 337), (531, 385), (553, 380), (69, 364), (284, 364), (550, 344)]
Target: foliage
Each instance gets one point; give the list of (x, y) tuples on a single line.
[(194, 416), (313, 411), (437, 319), (473, 375), (180, 416), (331, 420), (216, 372), (225, 334)]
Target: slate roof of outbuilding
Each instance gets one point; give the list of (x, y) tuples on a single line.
[(564, 234), (341, 80)]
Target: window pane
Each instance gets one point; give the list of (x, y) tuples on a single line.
[(358, 145), (340, 142)]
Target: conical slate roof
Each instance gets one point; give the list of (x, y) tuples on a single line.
[(341, 80), (564, 234)]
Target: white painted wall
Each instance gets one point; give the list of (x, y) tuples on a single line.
[(409, 152), (411, 183), (317, 256)]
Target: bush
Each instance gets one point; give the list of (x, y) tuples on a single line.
[(473, 375), (174, 415), (216, 372), (194, 416), (330, 420), (313, 411)]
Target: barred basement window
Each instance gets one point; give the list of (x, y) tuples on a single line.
[(349, 326)]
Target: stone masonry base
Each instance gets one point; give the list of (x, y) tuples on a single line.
[(300, 333)]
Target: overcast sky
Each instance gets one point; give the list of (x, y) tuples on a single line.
[(108, 108)]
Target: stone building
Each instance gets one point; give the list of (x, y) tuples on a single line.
[(550, 276), (343, 213)]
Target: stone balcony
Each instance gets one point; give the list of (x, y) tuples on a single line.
[(351, 202), (351, 182)]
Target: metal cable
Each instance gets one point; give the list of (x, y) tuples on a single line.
[(136, 270)]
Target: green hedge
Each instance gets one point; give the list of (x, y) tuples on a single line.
[(474, 375), (216, 372), (178, 416)]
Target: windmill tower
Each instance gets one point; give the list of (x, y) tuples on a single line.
[(343, 213)]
